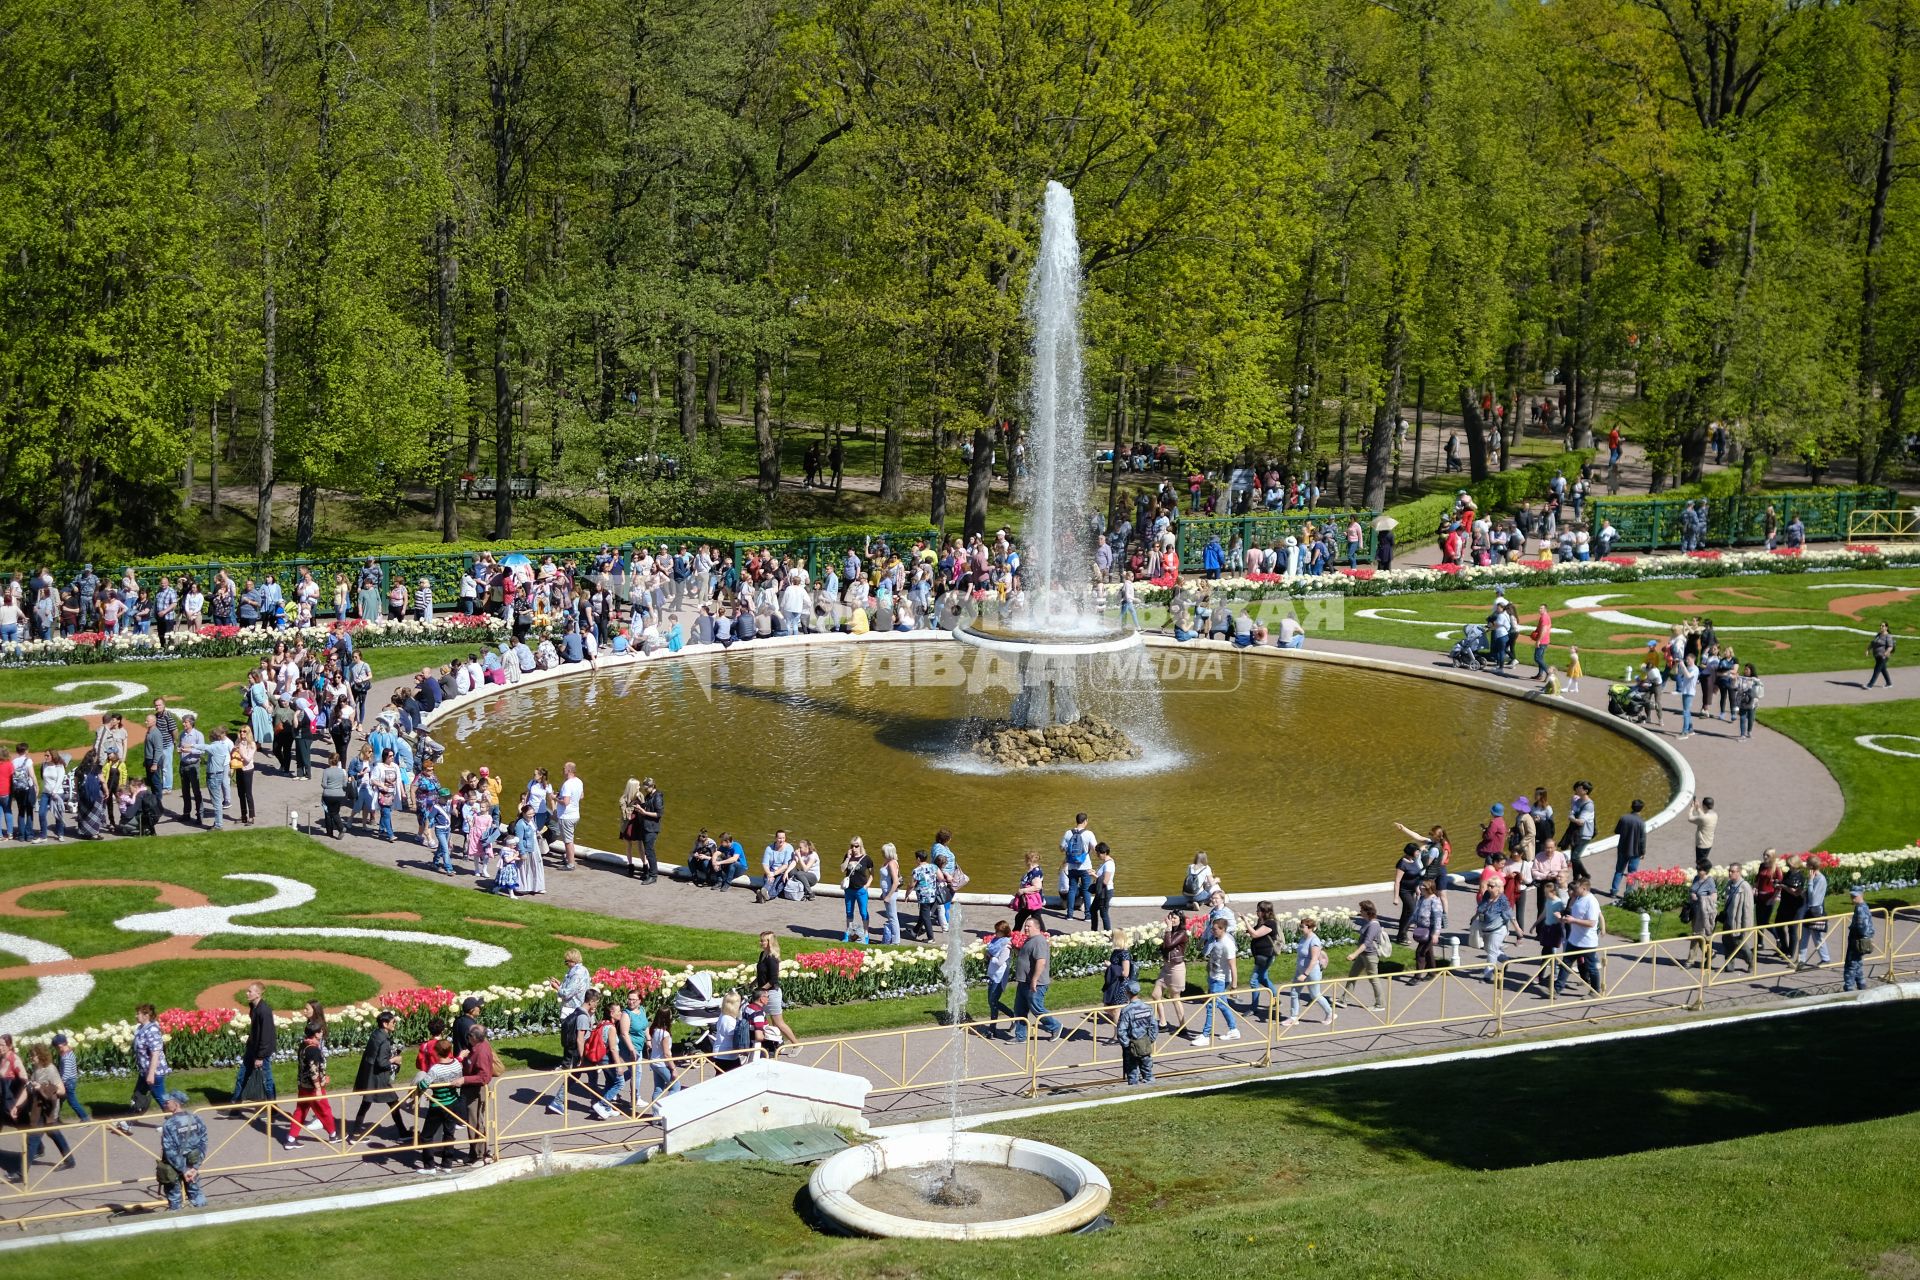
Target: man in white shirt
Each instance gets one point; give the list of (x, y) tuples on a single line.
[(1582, 920), (1076, 845), (569, 816)]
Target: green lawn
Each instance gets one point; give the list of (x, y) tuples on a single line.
[(346, 888), (1879, 788), (1693, 1155), (1788, 600), (209, 686)]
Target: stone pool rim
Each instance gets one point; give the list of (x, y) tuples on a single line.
[(830, 1188)]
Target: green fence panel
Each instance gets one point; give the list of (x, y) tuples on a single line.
[(1265, 529), (1653, 524)]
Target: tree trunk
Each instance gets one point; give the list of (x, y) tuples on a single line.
[(1581, 400), (1419, 424), (76, 497), (1386, 415), (308, 517), (187, 433), (213, 458), (446, 273), (1345, 420), (503, 432), (686, 390), (1875, 447), (979, 481), (1475, 427), (892, 479), (766, 448), (711, 415), (1510, 429), (269, 400)]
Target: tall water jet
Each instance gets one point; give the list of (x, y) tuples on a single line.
[(1057, 563), (1059, 636)]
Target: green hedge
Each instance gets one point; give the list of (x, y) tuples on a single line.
[(1502, 491)]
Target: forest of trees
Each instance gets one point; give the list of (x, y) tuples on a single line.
[(380, 243)]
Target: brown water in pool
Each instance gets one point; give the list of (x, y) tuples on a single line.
[(1003, 1193), (1289, 773)]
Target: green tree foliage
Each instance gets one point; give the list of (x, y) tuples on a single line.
[(583, 239)]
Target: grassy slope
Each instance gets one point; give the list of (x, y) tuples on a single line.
[(1687, 1156), (1881, 812)]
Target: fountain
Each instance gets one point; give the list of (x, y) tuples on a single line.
[(963, 1186), (1055, 640)]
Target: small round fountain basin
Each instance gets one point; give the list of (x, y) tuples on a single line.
[(1027, 1188)]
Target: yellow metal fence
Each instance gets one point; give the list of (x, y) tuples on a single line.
[(609, 1105)]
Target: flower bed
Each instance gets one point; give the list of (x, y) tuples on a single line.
[(202, 1038), (1665, 889), (1541, 573)]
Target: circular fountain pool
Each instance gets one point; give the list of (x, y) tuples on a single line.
[(1289, 772), (1014, 1188)]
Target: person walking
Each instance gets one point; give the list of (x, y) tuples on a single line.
[(1701, 915), (255, 1076), (1429, 921), (1032, 976), (659, 1056), (1880, 649), (1741, 941), (890, 893), (1581, 919), (1630, 845), (999, 958), (373, 1080), (1493, 917), (1859, 942), (1309, 963), (1222, 973), (1813, 911), (1172, 983), (1364, 960), (312, 1090), (1261, 939), (1104, 871), (439, 1083)]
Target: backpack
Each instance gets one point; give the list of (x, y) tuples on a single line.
[(742, 1032), (596, 1050), (1191, 885)]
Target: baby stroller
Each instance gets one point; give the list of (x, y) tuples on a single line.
[(1473, 643), (1628, 701), (697, 1006)]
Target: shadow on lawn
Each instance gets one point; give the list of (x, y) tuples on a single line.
[(1831, 1067)]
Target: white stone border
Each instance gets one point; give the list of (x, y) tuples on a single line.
[(1679, 772), (831, 1186)]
